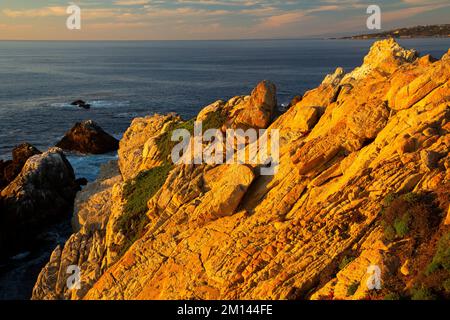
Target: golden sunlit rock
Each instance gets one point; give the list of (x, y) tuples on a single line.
[(362, 187)]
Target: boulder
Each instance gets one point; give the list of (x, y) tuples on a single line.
[(429, 159), (88, 137), (10, 169), (335, 78), (206, 111), (41, 194), (306, 118), (385, 56), (20, 155), (135, 153), (258, 111), (81, 104)]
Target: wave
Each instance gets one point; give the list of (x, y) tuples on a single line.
[(88, 166), (95, 104)]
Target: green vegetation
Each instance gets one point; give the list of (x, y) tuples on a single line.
[(418, 216), (401, 225), (389, 232), (411, 198), (214, 120), (397, 217), (389, 199), (441, 259), (137, 192), (345, 261), (422, 293), (392, 296), (446, 286), (351, 290), (164, 142)]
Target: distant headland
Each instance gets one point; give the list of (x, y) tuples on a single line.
[(431, 31)]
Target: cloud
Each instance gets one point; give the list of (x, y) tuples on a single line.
[(405, 13), (221, 19), (31, 13), (184, 12), (94, 13), (283, 19), (243, 3), (131, 2), (279, 20)]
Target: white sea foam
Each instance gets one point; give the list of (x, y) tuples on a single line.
[(95, 104)]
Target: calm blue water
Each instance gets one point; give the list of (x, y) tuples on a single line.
[(127, 79)]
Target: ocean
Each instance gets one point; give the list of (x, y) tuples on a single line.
[(124, 80)]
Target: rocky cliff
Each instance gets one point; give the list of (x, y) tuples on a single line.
[(362, 184), (40, 192)]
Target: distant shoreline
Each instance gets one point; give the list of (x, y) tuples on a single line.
[(441, 31)]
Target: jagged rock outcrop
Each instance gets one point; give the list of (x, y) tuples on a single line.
[(10, 169), (259, 110), (42, 193), (137, 146), (362, 174), (86, 248), (88, 137)]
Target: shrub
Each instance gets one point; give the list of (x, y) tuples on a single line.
[(392, 296), (422, 293), (408, 214), (389, 232), (137, 192), (446, 286), (389, 199), (351, 290), (411, 198), (401, 225), (441, 258)]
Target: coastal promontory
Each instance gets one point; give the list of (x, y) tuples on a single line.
[(362, 190)]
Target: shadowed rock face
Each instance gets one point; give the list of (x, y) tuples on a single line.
[(10, 169), (223, 232), (42, 193), (88, 137)]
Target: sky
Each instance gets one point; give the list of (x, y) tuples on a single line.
[(209, 19)]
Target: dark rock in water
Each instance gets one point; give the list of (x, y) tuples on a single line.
[(81, 181), (78, 102), (10, 169), (42, 193), (81, 104), (20, 155), (3, 165), (88, 137)]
